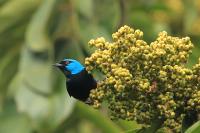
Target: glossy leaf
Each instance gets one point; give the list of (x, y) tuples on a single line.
[(195, 128)]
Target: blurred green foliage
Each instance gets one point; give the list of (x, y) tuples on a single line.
[(36, 33)]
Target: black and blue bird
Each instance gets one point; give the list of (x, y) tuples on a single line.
[(79, 82)]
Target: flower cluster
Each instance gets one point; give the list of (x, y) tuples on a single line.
[(144, 82)]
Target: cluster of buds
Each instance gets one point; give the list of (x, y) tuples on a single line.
[(144, 82)]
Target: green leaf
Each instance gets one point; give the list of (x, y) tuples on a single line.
[(109, 19), (14, 122), (133, 131), (195, 128), (35, 80), (36, 37), (36, 97), (7, 71), (45, 111), (128, 125), (3, 2), (14, 11), (93, 31), (84, 7), (106, 125)]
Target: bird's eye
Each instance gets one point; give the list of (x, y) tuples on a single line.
[(66, 62)]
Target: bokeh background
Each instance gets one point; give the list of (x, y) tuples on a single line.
[(34, 34)]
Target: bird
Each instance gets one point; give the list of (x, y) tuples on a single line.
[(79, 82)]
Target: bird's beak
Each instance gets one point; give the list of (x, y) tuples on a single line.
[(58, 65), (62, 68)]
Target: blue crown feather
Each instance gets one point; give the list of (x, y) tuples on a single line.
[(74, 66)]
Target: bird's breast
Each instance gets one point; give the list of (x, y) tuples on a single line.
[(80, 84)]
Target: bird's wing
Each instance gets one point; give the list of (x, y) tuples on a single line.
[(69, 88)]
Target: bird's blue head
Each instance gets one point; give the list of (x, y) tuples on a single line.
[(70, 67)]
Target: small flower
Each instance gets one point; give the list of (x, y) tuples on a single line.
[(145, 81)]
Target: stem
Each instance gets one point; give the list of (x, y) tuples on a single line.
[(122, 13)]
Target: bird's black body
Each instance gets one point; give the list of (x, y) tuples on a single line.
[(79, 85), (79, 81)]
